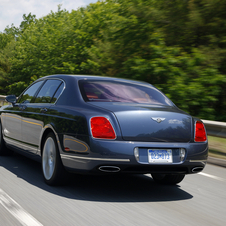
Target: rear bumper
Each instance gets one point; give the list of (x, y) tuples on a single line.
[(119, 156)]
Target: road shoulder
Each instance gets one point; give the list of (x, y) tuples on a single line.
[(216, 161)]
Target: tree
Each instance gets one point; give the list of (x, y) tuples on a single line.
[(179, 46)]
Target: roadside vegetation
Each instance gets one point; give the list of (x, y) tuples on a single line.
[(178, 46), (217, 147)]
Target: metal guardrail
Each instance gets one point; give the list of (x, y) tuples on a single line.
[(213, 128)]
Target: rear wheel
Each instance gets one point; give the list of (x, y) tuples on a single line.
[(167, 179), (52, 167)]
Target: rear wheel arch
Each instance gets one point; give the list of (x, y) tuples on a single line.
[(44, 135)]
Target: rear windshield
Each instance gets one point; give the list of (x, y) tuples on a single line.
[(111, 91)]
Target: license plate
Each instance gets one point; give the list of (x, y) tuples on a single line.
[(160, 156)]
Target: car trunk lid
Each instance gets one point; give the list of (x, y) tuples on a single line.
[(151, 123)]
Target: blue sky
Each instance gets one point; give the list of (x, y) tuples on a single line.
[(11, 11)]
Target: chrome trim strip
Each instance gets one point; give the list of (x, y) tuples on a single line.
[(19, 144), (79, 160), (203, 160), (98, 159)]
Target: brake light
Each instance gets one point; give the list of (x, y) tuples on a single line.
[(200, 132), (101, 128)]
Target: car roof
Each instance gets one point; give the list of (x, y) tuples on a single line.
[(94, 77)]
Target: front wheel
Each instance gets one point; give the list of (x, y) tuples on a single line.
[(167, 179), (52, 167), (3, 149)]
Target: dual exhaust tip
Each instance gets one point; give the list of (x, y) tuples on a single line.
[(197, 169), (109, 169)]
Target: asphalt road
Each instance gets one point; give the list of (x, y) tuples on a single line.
[(97, 200)]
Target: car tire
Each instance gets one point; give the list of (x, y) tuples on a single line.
[(52, 168), (167, 179), (3, 149)]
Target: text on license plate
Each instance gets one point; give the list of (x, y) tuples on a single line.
[(160, 156)]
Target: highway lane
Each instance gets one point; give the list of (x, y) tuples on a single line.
[(97, 200)]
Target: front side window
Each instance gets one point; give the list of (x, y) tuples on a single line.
[(47, 91), (29, 94), (111, 91)]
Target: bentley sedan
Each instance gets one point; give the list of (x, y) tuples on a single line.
[(91, 124)]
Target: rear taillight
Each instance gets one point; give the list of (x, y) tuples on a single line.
[(200, 132), (101, 128)]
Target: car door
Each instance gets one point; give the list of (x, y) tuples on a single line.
[(11, 123), (22, 102), (12, 116), (35, 114)]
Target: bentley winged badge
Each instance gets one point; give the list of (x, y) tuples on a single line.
[(158, 119)]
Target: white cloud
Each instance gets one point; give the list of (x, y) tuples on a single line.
[(11, 11)]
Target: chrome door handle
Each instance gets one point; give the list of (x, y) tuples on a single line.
[(23, 108), (43, 110)]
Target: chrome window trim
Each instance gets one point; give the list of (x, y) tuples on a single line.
[(44, 81)]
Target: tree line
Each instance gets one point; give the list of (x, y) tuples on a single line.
[(178, 46)]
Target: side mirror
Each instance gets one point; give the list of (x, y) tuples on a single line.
[(11, 99)]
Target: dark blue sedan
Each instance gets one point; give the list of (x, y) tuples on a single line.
[(91, 124)]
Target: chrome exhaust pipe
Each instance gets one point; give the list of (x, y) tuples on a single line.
[(197, 169), (109, 169)]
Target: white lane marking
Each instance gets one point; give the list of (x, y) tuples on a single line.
[(212, 176), (17, 211)]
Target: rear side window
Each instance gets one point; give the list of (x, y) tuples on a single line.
[(111, 91), (57, 93), (47, 91)]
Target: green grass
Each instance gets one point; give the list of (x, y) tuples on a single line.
[(217, 147)]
